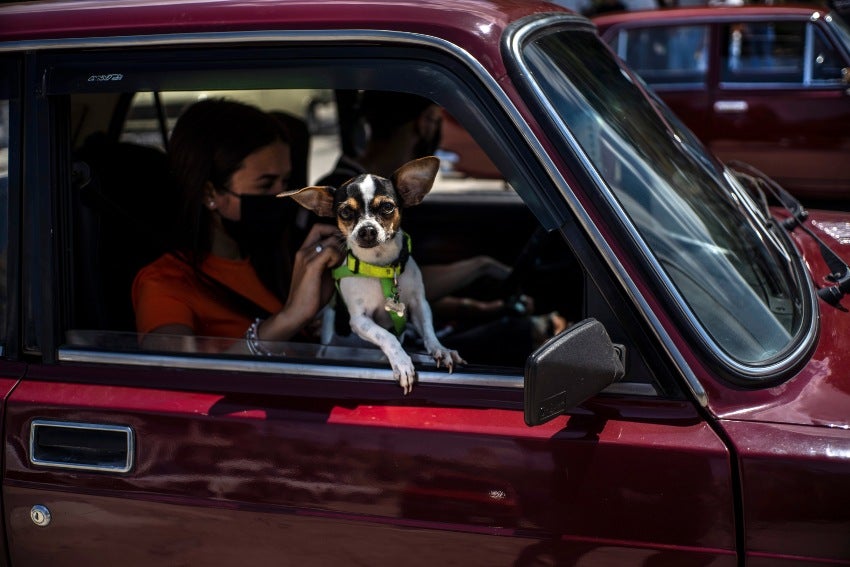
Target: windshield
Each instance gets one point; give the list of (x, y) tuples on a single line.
[(734, 276)]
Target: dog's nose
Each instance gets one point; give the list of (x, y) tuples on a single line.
[(367, 234)]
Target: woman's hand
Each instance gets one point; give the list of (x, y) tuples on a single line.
[(311, 286)]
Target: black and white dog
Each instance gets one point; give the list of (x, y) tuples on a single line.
[(379, 282)]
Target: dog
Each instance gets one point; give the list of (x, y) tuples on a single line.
[(379, 282)]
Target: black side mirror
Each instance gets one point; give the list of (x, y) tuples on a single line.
[(571, 368)]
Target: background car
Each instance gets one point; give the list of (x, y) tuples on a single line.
[(764, 84)]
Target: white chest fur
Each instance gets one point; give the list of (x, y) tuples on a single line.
[(365, 295)]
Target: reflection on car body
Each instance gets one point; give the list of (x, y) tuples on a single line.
[(702, 376)]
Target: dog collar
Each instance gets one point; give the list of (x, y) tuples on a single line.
[(356, 267)]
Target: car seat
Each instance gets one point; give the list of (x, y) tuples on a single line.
[(122, 202)]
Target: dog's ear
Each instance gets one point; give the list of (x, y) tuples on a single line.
[(319, 199), (414, 179)]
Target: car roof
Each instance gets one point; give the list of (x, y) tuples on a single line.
[(55, 19), (476, 26), (703, 13)]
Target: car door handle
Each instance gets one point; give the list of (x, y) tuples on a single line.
[(82, 446), (731, 106)]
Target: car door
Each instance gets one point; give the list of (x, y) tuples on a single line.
[(116, 455), (781, 104)]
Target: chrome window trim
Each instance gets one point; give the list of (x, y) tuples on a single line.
[(808, 54), (767, 86), (672, 87), (319, 370), (402, 38), (765, 371), (281, 366)]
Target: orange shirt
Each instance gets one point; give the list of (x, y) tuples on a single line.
[(167, 291)]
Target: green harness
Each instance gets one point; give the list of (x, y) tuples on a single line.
[(388, 276)]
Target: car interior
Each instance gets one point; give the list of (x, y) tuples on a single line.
[(121, 201)]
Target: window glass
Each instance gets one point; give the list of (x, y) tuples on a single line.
[(665, 55), (841, 29), (763, 52), (733, 274), (826, 61)]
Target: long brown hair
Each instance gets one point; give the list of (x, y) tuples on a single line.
[(208, 144)]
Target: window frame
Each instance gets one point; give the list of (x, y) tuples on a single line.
[(11, 70), (774, 371), (487, 110)]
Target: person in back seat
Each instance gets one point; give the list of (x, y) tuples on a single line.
[(228, 274)]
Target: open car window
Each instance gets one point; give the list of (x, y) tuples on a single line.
[(476, 208)]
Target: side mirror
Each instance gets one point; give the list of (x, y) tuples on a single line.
[(571, 368)]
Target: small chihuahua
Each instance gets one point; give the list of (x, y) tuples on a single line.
[(379, 282)]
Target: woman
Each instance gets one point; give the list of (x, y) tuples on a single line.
[(229, 274)]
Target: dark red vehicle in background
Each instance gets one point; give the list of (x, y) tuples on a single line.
[(696, 412), (769, 85)]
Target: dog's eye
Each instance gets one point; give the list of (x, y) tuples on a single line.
[(345, 213), (386, 208)]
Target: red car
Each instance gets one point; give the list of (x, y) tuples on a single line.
[(696, 411), (764, 84)]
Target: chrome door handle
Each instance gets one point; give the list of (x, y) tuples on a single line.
[(82, 446), (731, 106)]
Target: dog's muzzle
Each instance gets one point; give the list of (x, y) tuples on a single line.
[(367, 236)]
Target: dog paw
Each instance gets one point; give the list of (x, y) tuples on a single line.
[(447, 358), (405, 373)]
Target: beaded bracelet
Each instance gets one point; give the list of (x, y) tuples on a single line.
[(252, 339)]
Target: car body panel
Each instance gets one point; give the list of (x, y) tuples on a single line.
[(817, 394), (206, 461), (10, 374), (768, 453), (790, 130)]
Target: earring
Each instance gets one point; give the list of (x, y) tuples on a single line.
[(211, 204)]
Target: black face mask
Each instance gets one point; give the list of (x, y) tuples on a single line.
[(262, 222)]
